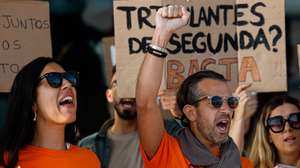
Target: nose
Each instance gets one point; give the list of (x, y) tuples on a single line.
[(66, 83), (287, 127), (225, 107)]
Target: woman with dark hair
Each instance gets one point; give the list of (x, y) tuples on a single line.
[(42, 103), (277, 137)]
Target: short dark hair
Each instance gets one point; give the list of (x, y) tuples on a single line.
[(19, 127), (189, 92)]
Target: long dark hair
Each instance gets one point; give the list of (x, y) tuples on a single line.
[(19, 127)]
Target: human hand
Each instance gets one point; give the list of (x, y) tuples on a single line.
[(168, 102), (170, 18), (247, 103)]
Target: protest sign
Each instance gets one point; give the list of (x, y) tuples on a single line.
[(24, 35), (243, 40), (298, 49), (108, 47)]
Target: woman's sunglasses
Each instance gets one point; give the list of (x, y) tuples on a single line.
[(277, 123), (55, 79), (217, 101)]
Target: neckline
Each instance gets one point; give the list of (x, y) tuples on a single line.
[(35, 148), (280, 165)]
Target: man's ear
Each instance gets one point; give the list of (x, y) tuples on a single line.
[(109, 95), (190, 112)]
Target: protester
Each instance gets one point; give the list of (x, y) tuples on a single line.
[(242, 115), (277, 136), (117, 141), (42, 103), (204, 98)]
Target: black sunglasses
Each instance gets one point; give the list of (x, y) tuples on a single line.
[(55, 79), (277, 123), (217, 101)]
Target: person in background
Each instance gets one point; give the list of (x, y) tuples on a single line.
[(42, 103), (117, 142), (276, 141), (242, 114), (167, 100), (170, 111), (204, 98)]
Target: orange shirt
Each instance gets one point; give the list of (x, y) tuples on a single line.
[(169, 155), (75, 157)]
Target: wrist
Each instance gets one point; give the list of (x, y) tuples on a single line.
[(157, 51), (161, 38)]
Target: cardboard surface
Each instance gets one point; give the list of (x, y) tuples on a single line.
[(108, 45), (24, 35), (298, 49), (243, 40)]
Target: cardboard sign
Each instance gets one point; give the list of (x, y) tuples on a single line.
[(298, 49), (108, 46), (24, 35), (262, 59), (243, 40)]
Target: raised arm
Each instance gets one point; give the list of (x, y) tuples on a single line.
[(150, 122), (242, 115)]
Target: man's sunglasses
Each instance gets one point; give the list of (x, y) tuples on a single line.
[(217, 101), (277, 123), (55, 79)]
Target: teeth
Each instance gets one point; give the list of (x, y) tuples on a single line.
[(68, 98), (224, 122)]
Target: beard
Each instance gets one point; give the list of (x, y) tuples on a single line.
[(216, 139), (126, 109), (211, 131)]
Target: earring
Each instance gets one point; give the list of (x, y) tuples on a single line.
[(35, 116)]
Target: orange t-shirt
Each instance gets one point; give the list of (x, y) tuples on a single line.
[(75, 157), (169, 155)]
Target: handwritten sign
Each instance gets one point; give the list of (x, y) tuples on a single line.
[(298, 49), (24, 35), (109, 56), (243, 40)]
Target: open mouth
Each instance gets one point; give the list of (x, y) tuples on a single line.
[(68, 100), (127, 103), (223, 126)]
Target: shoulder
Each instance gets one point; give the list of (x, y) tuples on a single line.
[(80, 149), (88, 141), (85, 155), (168, 154), (172, 126), (246, 163), (83, 152)]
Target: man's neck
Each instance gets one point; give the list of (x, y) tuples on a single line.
[(122, 126)]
